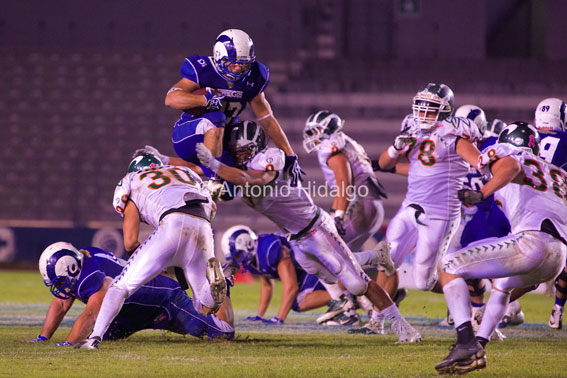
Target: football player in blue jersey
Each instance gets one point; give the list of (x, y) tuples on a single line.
[(87, 274), (270, 256), (232, 78)]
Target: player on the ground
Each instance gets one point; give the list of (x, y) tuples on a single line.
[(232, 78), (178, 205), (316, 244), (439, 148), (533, 253), (345, 164), (87, 274)]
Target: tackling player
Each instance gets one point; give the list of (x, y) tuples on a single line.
[(177, 204), (232, 78), (533, 253), (87, 274), (316, 244)]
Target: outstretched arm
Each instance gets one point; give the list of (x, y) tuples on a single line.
[(57, 311), (286, 271), (263, 112), (266, 291)]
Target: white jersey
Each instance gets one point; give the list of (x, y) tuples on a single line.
[(355, 154), (291, 208), (436, 171), (154, 191), (542, 196)]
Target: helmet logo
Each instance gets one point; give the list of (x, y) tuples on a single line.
[(531, 142)]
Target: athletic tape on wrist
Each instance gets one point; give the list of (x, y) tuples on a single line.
[(393, 153)]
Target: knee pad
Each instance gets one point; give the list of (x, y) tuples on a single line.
[(562, 277), (355, 284), (476, 290), (123, 287)]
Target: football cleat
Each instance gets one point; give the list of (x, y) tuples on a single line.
[(463, 358), (217, 282), (382, 257), (556, 318), (91, 343), (514, 316), (343, 319), (477, 314), (406, 333), (373, 327), (335, 307)]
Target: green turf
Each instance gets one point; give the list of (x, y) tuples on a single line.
[(298, 349)]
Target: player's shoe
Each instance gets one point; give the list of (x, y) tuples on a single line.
[(382, 257), (476, 318), (556, 318), (406, 333), (217, 281), (373, 327), (336, 306), (463, 358), (514, 316), (91, 343), (400, 295), (343, 319)]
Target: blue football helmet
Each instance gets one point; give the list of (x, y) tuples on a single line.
[(233, 46), (475, 114), (238, 245), (60, 265), (144, 161)]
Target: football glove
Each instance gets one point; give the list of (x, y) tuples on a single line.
[(293, 170), (469, 197), (206, 158), (64, 343), (39, 338), (402, 141), (274, 320), (256, 318), (213, 100)]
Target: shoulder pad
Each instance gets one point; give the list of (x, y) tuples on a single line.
[(270, 159), (408, 124), (463, 128), (192, 66), (331, 146), (497, 151), (121, 195)]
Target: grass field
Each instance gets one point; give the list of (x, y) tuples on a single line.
[(297, 349)]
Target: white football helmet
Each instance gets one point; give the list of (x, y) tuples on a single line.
[(233, 46), (320, 126), (475, 114), (550, 114), (494, 127), (238, 244), (60, 266), (433, 103)]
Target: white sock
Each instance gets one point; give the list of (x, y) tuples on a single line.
[(391, 313), (364, 303), (334, 290), (495, 310), (111, 306), (458, 301), (378, 316), (364, 258)]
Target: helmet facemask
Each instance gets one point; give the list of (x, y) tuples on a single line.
[(246, 140), (243, 154), (429, 111), (60, 266), (320, 126)]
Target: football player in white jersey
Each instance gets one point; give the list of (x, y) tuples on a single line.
[(531, 191), (345, 164), (439, 148), (178, 205), (318, 247)]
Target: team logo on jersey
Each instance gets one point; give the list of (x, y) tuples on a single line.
[(231, 93)]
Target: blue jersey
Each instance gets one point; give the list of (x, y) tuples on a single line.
[(202, 70), (159, 304), (269, 255), (553, 147)]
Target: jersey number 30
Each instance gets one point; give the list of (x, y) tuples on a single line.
[(161, 178)]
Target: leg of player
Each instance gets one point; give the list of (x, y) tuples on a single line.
[(556, 318)]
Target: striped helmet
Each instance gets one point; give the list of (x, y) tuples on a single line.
[(246, 140), (233, 46)]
